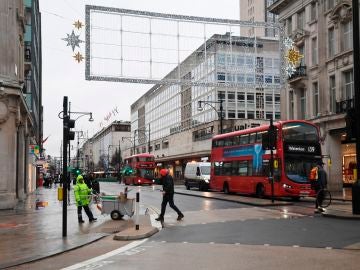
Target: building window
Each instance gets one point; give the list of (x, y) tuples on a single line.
[(301, 20), (221, 95), (348, 92), (331, 42), (157, 146), (316, 98), (250, 115), (165, 144), (250, 98), (231, 96), (289, 26), (302, 103), (347, 40), (313, 14), (241, 97), (332, 87), (231, 114), (302, 52), (291, 105), (221, 59), (330, 4), (314, 54), (241, 114), (221, 77)]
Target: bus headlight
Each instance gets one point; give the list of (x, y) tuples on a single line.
[(139, 180), (286, 186), (207, 181)]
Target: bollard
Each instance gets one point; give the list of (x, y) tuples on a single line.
[(137, 210)]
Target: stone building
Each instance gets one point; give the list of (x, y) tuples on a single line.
[(20, 99), (322, 88)]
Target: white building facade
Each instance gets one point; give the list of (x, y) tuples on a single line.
[(96, 153), (169, 114)]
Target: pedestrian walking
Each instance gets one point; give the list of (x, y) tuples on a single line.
[(320, 185), (82, 197), (167, 182)]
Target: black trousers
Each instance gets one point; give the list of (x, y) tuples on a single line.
[(168, 198), (87, 211)]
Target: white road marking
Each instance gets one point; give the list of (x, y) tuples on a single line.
[(106, 255), (328, 248), (295, 246)]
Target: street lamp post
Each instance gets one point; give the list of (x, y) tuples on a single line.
[(220, 114)]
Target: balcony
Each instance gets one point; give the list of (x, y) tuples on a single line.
[(344, 105), (299, 73)]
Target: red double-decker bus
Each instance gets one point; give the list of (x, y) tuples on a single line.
[(139, 169), (239, 163)]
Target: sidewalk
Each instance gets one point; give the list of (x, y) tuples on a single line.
[(29, 234)]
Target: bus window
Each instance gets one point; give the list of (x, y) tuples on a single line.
[(229, 141), (252, 137), (244, 139), (243, 168), (259, 136)]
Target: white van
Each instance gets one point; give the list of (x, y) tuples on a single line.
[(197, 174)]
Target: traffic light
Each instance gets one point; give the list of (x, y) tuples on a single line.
[(77, 171), (269, 138), (350, 124), (70, 123)]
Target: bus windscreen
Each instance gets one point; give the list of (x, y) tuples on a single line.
[(300, 132)]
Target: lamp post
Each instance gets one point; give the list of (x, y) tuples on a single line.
[(202, 103)]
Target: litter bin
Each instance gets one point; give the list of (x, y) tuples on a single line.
[(356, 198), (96, 187)]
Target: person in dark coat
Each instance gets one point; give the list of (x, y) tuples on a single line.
[(168, 195), (321, 184)]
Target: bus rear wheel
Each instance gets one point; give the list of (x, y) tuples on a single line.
[(260, 191)]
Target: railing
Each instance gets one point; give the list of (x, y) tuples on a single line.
[(344, 105), (300, 71)]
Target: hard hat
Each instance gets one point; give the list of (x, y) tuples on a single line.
[(163, 172), (80, 177)]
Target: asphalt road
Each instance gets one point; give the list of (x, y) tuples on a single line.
[(224, 235)]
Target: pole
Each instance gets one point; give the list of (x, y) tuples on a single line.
[(134, 140), (271, 178), (77, 152), (119, 156), (149, 140), (64, 180), (137, 211), (356, 56), (221, 116)]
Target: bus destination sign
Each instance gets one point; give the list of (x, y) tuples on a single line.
[(302, 149)]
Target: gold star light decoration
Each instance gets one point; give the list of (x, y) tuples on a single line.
[(78, 24), (294, 57), (78, 57)]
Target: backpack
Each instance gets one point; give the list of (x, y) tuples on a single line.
[(314, 174)]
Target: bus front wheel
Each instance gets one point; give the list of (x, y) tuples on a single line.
[(260, 191)]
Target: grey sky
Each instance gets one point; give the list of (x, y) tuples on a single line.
[(62, 75)]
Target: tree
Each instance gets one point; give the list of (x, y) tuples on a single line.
[(116, 158)]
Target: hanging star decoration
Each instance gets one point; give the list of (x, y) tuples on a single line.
[(78, 57), (293, 56), (73, 40), (288, 42), (78, 24), (290, 70)]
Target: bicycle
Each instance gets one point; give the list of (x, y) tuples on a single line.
[(323, 198)]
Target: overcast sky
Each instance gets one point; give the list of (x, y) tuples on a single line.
[(63, 76)]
